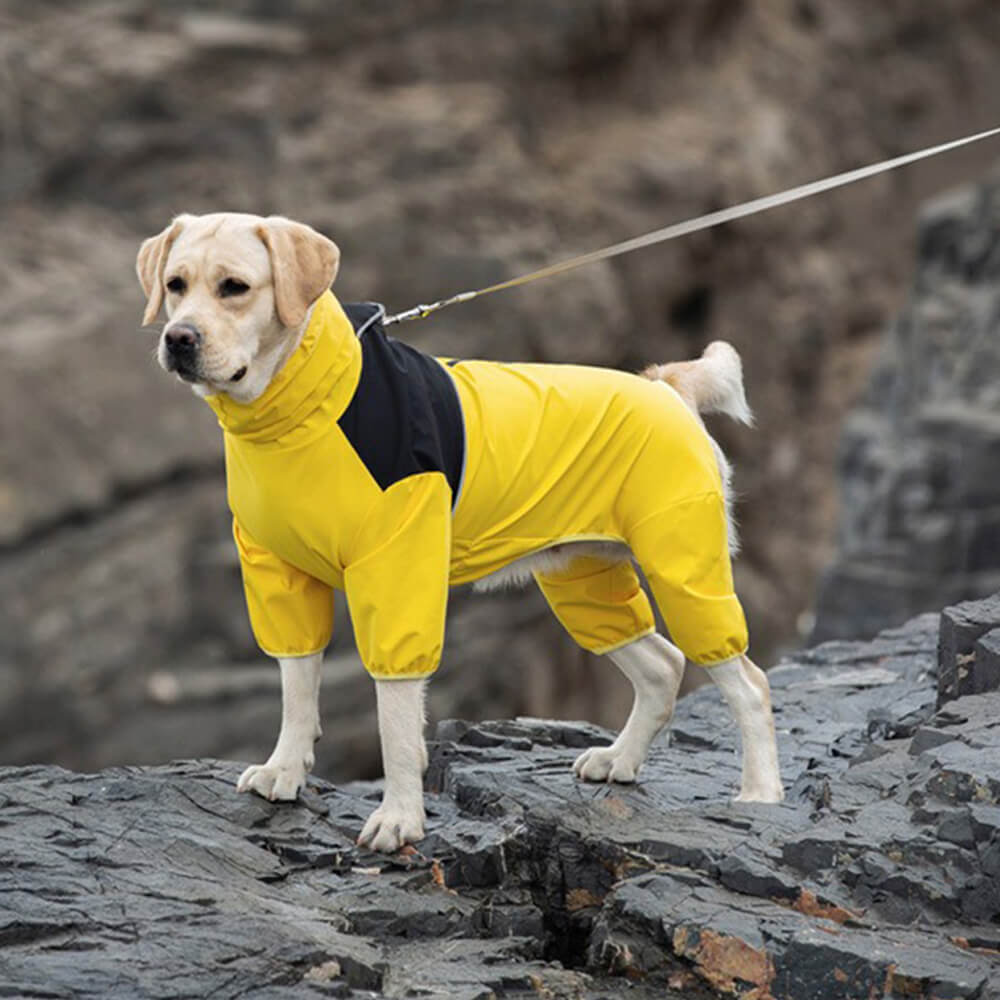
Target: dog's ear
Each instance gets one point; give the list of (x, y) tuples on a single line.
[(149, 266), (303, 263)]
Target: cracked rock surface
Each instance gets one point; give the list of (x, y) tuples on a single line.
[(879, 876)]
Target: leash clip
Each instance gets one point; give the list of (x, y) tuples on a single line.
[(425, 309)]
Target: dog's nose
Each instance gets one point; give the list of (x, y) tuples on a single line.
[(182, 339)]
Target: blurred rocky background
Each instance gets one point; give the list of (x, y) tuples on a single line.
[(919, 462), (445, 145)]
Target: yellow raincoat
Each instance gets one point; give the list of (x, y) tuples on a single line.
[(550, 453)]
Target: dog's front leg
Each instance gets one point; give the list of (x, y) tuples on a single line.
[(286, 769), (400, 818)]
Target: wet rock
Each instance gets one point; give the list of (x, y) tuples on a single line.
[(879, 874)]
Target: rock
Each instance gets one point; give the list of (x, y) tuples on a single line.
[(986, 662), (920, 520), (969, 649), (879, 874)]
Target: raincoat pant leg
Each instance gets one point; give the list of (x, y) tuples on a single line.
[(600, 603), (684, 553)]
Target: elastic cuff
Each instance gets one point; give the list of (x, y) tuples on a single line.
[(282, 656), (401, 677), (717, 661)]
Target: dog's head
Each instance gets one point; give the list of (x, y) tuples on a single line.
[(237, 290)]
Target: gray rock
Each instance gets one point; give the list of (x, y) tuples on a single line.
[(986, 662), (880, 873), (968, 656)]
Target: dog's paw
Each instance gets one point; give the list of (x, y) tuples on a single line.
[(768, 793), (274, 781), (393, 825), (606, 764)]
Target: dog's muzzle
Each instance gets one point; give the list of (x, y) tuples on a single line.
[(182, 343)]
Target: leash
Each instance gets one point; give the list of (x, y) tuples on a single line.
[(694, 225)]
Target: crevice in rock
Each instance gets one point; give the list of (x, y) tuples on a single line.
[(568, 878)]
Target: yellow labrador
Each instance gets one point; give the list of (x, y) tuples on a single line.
[(239, 291)]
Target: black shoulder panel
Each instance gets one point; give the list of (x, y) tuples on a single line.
[(405, 416)]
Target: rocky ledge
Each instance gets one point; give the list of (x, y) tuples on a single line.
[(878, 877)]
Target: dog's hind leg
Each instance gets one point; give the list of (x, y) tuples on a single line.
[(746, 690), (602, 605), (655, 668), (285, 771), (685, 556)]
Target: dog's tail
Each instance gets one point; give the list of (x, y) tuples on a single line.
[(712, 384)]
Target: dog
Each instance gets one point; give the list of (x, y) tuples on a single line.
[(357, 464)]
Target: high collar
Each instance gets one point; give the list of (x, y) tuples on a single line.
[(324, 367)]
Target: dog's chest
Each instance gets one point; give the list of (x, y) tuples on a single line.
[(304, 501)]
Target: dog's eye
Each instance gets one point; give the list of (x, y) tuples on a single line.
[(232, 286), (176, 285)]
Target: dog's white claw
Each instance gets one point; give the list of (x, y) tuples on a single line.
[(277, 782), (606, 764), (391, 826)]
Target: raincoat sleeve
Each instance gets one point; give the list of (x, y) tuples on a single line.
[(397, 578), (291, 613)]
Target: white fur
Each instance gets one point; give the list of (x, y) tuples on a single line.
[(655, 667), (747, 692), (726, 474), (722, 388), (723, 392), (240, 333), (292, 758), (400, 818), (553, 559)]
